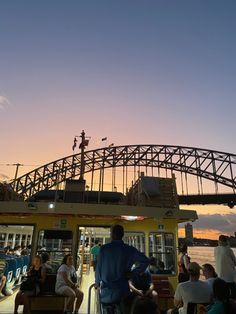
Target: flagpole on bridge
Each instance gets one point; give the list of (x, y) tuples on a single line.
[(81, 146), (84, 142)]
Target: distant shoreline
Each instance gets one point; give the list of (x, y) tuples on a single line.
[(206, 242)]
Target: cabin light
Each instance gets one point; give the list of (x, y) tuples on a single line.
[(51, 205), (130, 217)]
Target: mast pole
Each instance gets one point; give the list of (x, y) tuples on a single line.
[(82, 145)]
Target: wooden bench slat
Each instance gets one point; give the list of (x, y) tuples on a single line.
[(162, 286)]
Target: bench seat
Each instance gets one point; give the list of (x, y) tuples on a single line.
[(47, 303), (165, 291)]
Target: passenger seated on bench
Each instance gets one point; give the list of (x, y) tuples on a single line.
[(209, 273), (36, 276), (153, 265), (46, 263), (3, 280), (142, 285), (11, 252), (194, 291), (221, 295), (6, 250), (24, 250), (17, 250), (66, 287)]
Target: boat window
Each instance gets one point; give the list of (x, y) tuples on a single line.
[(53, 245), (136, 239), (161, 250), (16, 239)]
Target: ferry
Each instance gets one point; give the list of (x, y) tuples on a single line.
[(70, 220)]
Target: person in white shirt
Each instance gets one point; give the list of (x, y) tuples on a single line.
[(194, 290), (17, 250), (209, 273), (225, 264), (66, 287)]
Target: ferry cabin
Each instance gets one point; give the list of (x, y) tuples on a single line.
[(60, 228)]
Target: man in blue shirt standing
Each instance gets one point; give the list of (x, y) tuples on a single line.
[(113, 270)]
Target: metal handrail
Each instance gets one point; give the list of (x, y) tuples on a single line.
[(97, 299)]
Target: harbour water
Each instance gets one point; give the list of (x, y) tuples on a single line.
[(203, 254)]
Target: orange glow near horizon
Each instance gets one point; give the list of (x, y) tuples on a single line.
[(201, 233)]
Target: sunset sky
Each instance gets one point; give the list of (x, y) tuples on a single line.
[(138, 72)]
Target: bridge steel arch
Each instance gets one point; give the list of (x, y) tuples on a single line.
[(216, 166)]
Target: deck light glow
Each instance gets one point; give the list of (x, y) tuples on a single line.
[(51, 206)]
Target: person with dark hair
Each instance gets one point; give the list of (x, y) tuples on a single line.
[(24, 250), (113, 269), (29, 247), (194, 290), (11, 251), (141, 285), (66, 286), (209, 273), (225, 263), (153, 265), (35, 277), (6, 250), (94, 253), (222, 304), (183, 262), (46, 263), (17, 250)]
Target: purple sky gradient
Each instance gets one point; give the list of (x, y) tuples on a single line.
[(155, 72)]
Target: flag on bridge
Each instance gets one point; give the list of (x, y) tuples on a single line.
[(75, 144), (84, 143)]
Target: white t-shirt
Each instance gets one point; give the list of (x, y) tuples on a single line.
[(225, 263), (60, 280), (210, 282), (192, 291)]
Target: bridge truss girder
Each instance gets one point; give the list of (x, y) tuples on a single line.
[(219, 167)]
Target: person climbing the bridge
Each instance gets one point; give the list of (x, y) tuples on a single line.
[(113, 270)]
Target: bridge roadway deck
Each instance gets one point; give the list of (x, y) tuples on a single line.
[(206, 199)]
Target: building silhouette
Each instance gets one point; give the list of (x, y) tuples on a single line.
[(189, 233)]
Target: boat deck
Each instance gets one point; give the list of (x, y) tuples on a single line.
[(7, 304)]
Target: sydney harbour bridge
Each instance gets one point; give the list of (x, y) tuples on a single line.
[(203, 176)]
